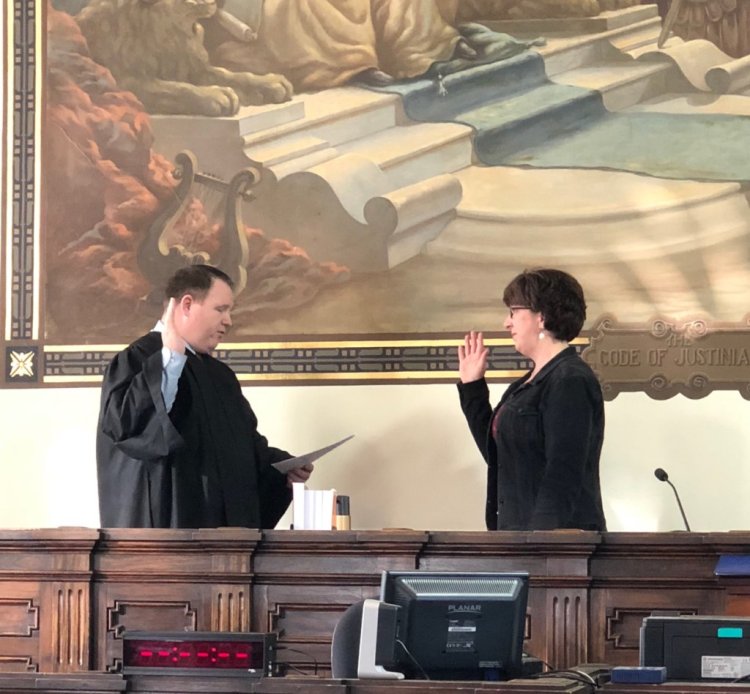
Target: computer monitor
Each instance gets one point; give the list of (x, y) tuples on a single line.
[(458, 625)]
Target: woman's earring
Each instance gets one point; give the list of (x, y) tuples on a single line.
[(541, 334)]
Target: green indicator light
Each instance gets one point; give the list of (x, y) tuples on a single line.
[(729, 632)]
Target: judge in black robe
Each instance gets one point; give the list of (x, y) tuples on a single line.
[(202, 464)]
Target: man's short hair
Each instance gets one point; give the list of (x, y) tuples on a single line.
[(195, 280)]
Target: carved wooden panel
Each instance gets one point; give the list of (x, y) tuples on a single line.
[(588, 592), (17, 663), (65, 641), (150, 615), (305, 632), (569, 627), (139, 614), (304, 617), (622, 627), (559, 619), (45, 624), (169, 580), (231, 608), (18, 617), (305, 622)]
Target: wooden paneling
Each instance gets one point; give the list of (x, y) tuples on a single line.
[(169, 580), (67, 595), (19, 626), (45, 598), (303, 582), (637, 574)]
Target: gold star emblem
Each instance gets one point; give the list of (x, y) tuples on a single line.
[(21, 364)]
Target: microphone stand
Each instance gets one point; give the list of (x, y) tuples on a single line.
[(662, 476)]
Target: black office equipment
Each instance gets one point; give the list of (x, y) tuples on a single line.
[(697, 647), (458, 625)]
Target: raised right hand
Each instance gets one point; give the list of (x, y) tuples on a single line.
[(170, 336), (472, 358)]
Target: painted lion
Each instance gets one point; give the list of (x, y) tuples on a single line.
[(154, 48)]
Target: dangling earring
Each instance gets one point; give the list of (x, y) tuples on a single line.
[(541, 334)]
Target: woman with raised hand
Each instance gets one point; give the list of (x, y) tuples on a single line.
[(543, 440)]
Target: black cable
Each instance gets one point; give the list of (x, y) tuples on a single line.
[(584, 675), (413, 659), (307, 655), (570, 673), (298, 670), (543, 662)]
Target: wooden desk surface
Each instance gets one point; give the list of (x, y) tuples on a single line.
[(103, 683)]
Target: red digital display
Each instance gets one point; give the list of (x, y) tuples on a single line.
[(193, 654)]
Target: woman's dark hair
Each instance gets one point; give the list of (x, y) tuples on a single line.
[(195, 280), (555, 294)]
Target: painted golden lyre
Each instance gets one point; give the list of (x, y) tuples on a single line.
[(159, 256)]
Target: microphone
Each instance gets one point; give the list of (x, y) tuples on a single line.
[(662, 476)]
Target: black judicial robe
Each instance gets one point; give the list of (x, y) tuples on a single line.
[(201, 465)]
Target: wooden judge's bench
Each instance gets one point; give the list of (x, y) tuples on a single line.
[(67, 595)]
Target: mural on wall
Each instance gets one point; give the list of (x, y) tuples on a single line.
[(373, 172)]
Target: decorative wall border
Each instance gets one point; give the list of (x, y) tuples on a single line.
[(20, 272), (337, 362), (21, 171)]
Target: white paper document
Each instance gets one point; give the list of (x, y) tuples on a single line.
[(285, 466), (313, 509)]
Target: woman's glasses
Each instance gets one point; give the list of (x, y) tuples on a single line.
[(513, 309)]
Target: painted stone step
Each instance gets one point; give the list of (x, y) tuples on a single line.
[(275, 152), (589, 216), (568, 53), (605, 21), (216, 140), (406, 153), (276, 133), (336, 115), (623, 84)]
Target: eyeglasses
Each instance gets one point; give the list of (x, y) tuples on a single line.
[(512, 309)]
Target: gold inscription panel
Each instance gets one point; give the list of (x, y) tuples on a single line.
[(666, 357)]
